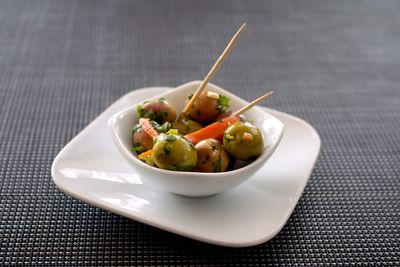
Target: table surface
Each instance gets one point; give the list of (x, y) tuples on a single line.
[(334, 63)]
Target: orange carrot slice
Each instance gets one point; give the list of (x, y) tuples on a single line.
[(145, 154), (147, 127), (213, 130)]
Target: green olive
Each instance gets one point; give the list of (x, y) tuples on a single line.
[(243, 140), (186, 126), (173, 152)]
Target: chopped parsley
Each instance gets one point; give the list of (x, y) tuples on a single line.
[(223, 104), (143, 113), (171, 138), (155, 125), (138, 148), (165, 127), (217, 165), (139, 109), (190, 96), (136, 128)]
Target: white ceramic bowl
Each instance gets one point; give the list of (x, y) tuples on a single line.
[(195, 184)]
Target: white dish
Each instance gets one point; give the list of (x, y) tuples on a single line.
[(195, 184), (91, 168)]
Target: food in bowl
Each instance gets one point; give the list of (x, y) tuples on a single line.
[(196, 183), (209, 138)]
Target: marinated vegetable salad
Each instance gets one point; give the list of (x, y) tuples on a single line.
[(208, 138)]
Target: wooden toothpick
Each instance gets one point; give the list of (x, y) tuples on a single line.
[(250, 105)]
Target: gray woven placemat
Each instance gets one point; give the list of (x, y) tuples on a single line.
[(334, 63)]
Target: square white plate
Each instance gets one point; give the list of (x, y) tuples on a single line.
[(91, 168)]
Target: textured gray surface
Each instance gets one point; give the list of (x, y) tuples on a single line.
[(334, 63)]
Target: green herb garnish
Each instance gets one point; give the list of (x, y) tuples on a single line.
[(223, 104), (139, 109), (165, 127), (145, 113), (171, 138), (136, 128), (217, 165), (138, 148)]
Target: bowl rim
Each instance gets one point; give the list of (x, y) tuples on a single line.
[(133, 159)]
